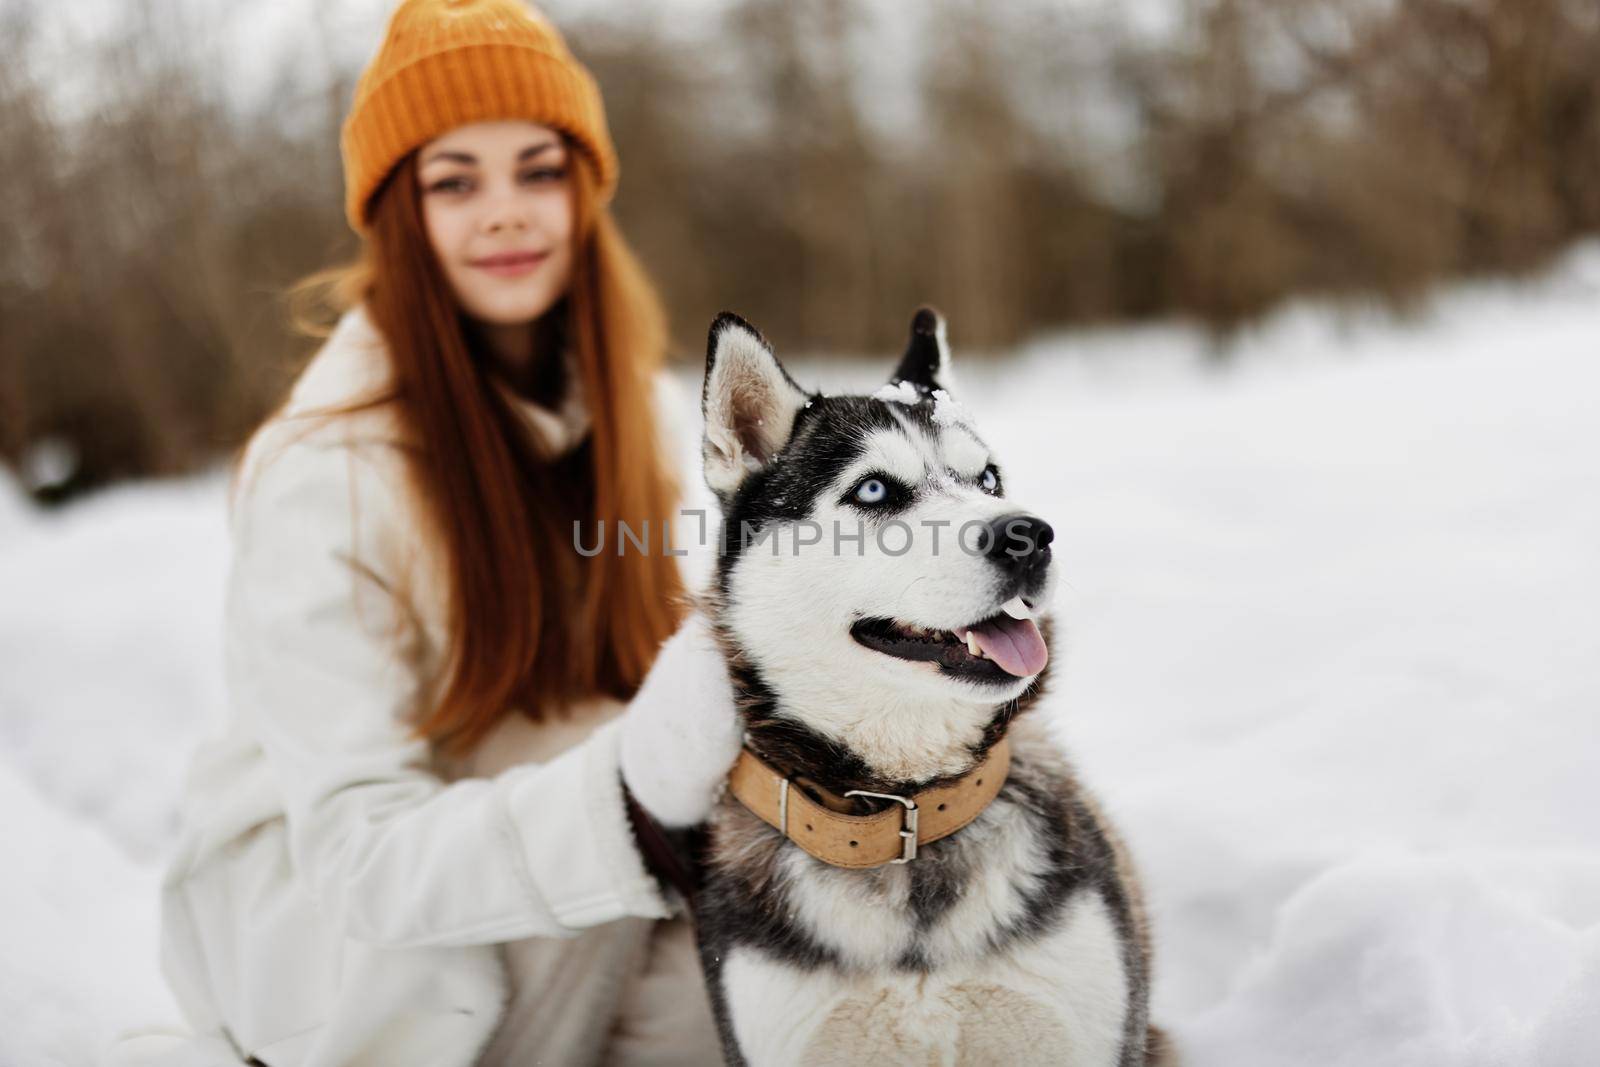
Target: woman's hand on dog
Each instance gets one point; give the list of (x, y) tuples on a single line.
[(681, 732)]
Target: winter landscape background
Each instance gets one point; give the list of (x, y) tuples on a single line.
[(822, 166), (1330, 653)]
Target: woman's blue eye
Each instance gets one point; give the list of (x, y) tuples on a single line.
[(449, 185), (872, 491), (990, 480), (545, 174)]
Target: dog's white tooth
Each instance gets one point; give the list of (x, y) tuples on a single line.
[(1016, 608), (972, 644)]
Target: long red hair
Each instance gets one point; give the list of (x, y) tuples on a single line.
[(533, 623)]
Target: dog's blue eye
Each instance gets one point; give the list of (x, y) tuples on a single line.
[(989, 480), (872, 491)]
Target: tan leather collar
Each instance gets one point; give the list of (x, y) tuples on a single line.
[(890, 836)]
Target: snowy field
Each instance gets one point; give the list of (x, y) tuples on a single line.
[(1329, 650)]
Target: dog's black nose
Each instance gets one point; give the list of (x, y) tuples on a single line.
[(1019, 542)]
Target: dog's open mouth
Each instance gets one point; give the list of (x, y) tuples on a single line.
[(1004, 646)]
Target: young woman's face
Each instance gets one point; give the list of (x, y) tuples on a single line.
[(497, 205)]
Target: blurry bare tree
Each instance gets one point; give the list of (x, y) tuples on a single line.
[(1357, 148), (145, 244), (1365, 147)]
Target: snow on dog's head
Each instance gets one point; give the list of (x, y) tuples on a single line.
[(871, 568)]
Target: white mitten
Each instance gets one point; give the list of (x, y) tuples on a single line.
[(681, 733)]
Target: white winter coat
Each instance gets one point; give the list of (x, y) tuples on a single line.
[(341, 894)]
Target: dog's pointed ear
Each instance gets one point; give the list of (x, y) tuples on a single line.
[(926, 363), (749, 402)]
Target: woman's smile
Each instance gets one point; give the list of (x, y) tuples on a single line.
[(510, 264)]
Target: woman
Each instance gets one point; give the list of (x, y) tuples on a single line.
[(417, 843)]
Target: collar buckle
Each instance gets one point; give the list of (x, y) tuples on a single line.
[(908, 828)]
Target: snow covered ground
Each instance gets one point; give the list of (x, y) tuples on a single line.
[(1330, 652)]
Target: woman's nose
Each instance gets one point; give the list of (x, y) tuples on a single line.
[(506, 220), (506, 211)]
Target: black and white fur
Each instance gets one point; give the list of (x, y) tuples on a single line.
[(1020, 939)]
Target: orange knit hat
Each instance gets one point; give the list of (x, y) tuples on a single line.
[(447, 63)]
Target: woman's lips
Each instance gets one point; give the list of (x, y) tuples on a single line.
[(510, 264)]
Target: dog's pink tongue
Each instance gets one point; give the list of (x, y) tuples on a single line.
[(1015, 644)]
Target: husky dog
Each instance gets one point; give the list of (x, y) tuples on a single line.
[(880, 601)]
